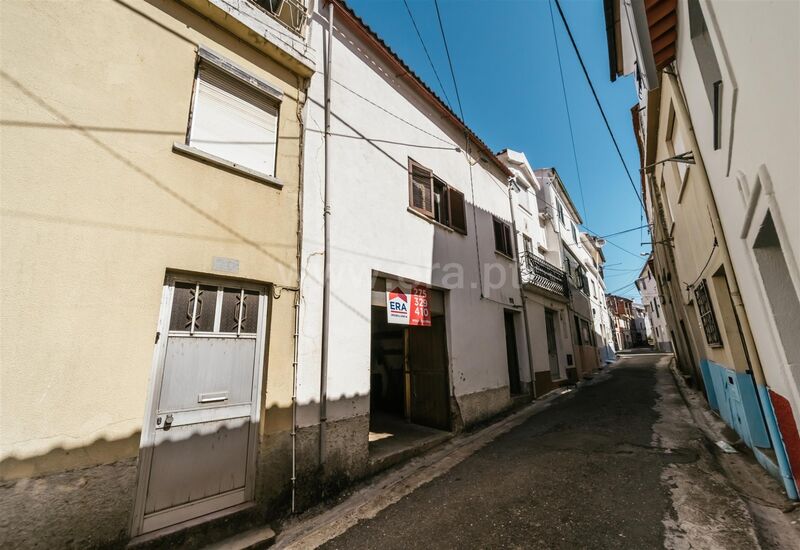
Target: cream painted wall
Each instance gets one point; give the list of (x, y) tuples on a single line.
[(758, 49), (96, 207)]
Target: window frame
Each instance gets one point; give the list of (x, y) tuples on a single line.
[(211, 61), (506, 238), (708, 319), (448, 191)]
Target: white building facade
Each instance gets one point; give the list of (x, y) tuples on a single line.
[(652, 302), (417, 204), (742, 139)]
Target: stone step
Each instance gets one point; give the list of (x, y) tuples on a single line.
[(260, 537)]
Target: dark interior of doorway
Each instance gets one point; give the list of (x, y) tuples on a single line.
[(514, 384), (409, 384)]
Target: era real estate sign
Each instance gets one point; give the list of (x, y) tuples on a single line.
[(408, 307)]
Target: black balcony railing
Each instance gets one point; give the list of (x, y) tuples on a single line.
[(537, 272)]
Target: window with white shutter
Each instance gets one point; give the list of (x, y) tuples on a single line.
[(233, 121)]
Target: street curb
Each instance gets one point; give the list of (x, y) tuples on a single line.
[(388, 487)]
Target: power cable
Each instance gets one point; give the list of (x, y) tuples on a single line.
[(427, 54), (597, 100), (624, 231), (449, 59), (569, 117)]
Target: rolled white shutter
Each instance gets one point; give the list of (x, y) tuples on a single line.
[(233, 121)]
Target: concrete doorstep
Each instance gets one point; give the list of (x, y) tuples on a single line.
[(320, 524), (260, 537)]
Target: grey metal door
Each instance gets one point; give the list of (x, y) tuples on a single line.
[(552, 348), (202, 433)]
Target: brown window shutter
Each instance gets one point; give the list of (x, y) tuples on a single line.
[(498, 235), (458, 211), (509, 240), (421, 184)]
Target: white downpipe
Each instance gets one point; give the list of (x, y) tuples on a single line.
[(326, 284), (512, 182)]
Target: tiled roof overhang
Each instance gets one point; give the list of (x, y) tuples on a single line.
[(404, 71)]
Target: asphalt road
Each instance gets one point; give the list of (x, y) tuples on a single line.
[(588, 472)]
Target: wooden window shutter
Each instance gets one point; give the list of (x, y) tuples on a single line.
[(509, 243), (458, 211), (421, 188), (498, 235)]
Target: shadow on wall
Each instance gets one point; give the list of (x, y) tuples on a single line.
[(84, 497)]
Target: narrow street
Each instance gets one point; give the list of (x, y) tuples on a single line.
[(616, 464)]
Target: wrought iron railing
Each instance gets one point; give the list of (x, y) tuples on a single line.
[(290, 13), (538, 272)]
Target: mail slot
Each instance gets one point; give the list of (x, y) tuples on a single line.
[(213, 397)]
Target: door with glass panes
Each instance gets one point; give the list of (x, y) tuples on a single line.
[(199, 447)]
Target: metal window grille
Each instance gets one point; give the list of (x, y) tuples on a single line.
[(707, 317)]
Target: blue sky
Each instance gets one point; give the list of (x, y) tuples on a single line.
[(505, 62)]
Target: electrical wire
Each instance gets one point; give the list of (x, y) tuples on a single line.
[(427, 54), (702, 270), (385, 110), (597, 100), (449, 59), (569, 117), (624, 231)]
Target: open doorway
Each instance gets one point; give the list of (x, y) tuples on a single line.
[(514, 383), (409, 378)]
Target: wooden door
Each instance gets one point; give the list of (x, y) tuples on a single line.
[(428, 377), (552, 347)]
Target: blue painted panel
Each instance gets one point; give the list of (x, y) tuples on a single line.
[(751, 408), (734, 395)]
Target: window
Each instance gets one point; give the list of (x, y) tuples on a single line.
[(441, 203), (433, 198), (528, 244), (707, 315), (574, 233), (709, 67), (232, 121), (678, 148), (421, 184), (523, 198), (560, 209), (502, 238)]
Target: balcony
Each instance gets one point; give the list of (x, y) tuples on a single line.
[(292, 14), (539, 273)]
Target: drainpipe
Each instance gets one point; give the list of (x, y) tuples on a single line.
[(736, 297), (326, 283), (302, 84), (512, 182)]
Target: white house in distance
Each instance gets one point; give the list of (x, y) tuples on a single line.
[(547, 298), (651, 300), (593, 246), (418, 213), (565, 248)]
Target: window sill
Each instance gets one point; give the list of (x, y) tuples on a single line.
[(504, 255), (420, 215), (213, 160)]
